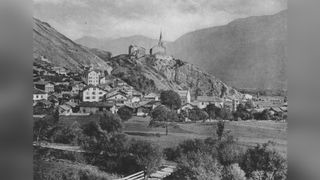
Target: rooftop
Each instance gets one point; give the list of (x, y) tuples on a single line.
[(38, 91), (96, 104)]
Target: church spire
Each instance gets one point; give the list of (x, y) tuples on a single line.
[(160, 39)]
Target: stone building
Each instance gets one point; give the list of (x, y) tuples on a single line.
[(159, 51), (137, 51)]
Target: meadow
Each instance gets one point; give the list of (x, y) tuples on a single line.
[(248, 133)]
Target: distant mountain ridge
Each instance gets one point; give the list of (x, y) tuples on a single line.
[(246, 53)]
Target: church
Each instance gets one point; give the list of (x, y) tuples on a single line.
[(159, 51)]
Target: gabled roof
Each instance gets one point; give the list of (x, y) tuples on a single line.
[(118, 93), (92, 86), (96, 104), (208, 99), (183, 93), (71, 104), (38, 91), (151, 95), (42, 83), (65, 107)]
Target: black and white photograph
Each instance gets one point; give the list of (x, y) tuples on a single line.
[(160, 90)]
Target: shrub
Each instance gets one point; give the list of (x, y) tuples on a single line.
[(265, 160), (233, 172), (125, 113), (146, 155)]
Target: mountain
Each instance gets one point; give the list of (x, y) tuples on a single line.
[(246, 53), (117, 46), (60, 50), (146, 74)]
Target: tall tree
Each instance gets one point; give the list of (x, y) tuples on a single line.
[(172, 100)]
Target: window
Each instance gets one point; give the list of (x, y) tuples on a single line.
[(87, 93), (93, 93), (100, 92), (37, 96), (88, 97), (93, 97)]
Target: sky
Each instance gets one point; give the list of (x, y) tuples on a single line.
[(122, 18)]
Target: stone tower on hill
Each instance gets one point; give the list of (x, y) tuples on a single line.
[(160, 51)]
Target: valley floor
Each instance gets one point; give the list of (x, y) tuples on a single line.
[(249, 133)]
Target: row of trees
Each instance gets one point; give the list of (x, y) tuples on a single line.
[(105, 144), (223, 158)]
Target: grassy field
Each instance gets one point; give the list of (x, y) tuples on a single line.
[(248, 133)]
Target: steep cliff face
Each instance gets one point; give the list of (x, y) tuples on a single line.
[(150, 74), (181, 75)]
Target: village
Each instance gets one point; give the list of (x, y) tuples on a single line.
[(91, 90)]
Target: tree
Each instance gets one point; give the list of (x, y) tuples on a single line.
[(171, 99), (211, 110), (110, 122), (196, 114), (146, 155), (197, 166), (265, 160), (220, 129), (125, 113), (161, 116)]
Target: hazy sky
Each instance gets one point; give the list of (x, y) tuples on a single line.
[(120, 18)]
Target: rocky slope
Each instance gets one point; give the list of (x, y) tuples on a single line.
[(60, 50), (149, 74), (246, 53)]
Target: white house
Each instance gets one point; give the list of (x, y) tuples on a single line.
[(92, 94), (151, 96), (184, 96), (204, 101), (119, 98), (92, 77), (65, 110), (39, 95)]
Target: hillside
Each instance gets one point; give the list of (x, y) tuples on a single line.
[(117, 46), (60, 50), (246, 53), (148, 74)]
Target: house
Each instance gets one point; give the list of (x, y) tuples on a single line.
[(151, 97), (231, 104), (135, 99), (105, 87), (60, 70), (95, 107), (184, 96), (44, 103), (92, 93), (44, 86), (76, 88), (119, 98), (92, 77), (39, 95), (53, 99), (65, 110), (204, 101), (102, 80)]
